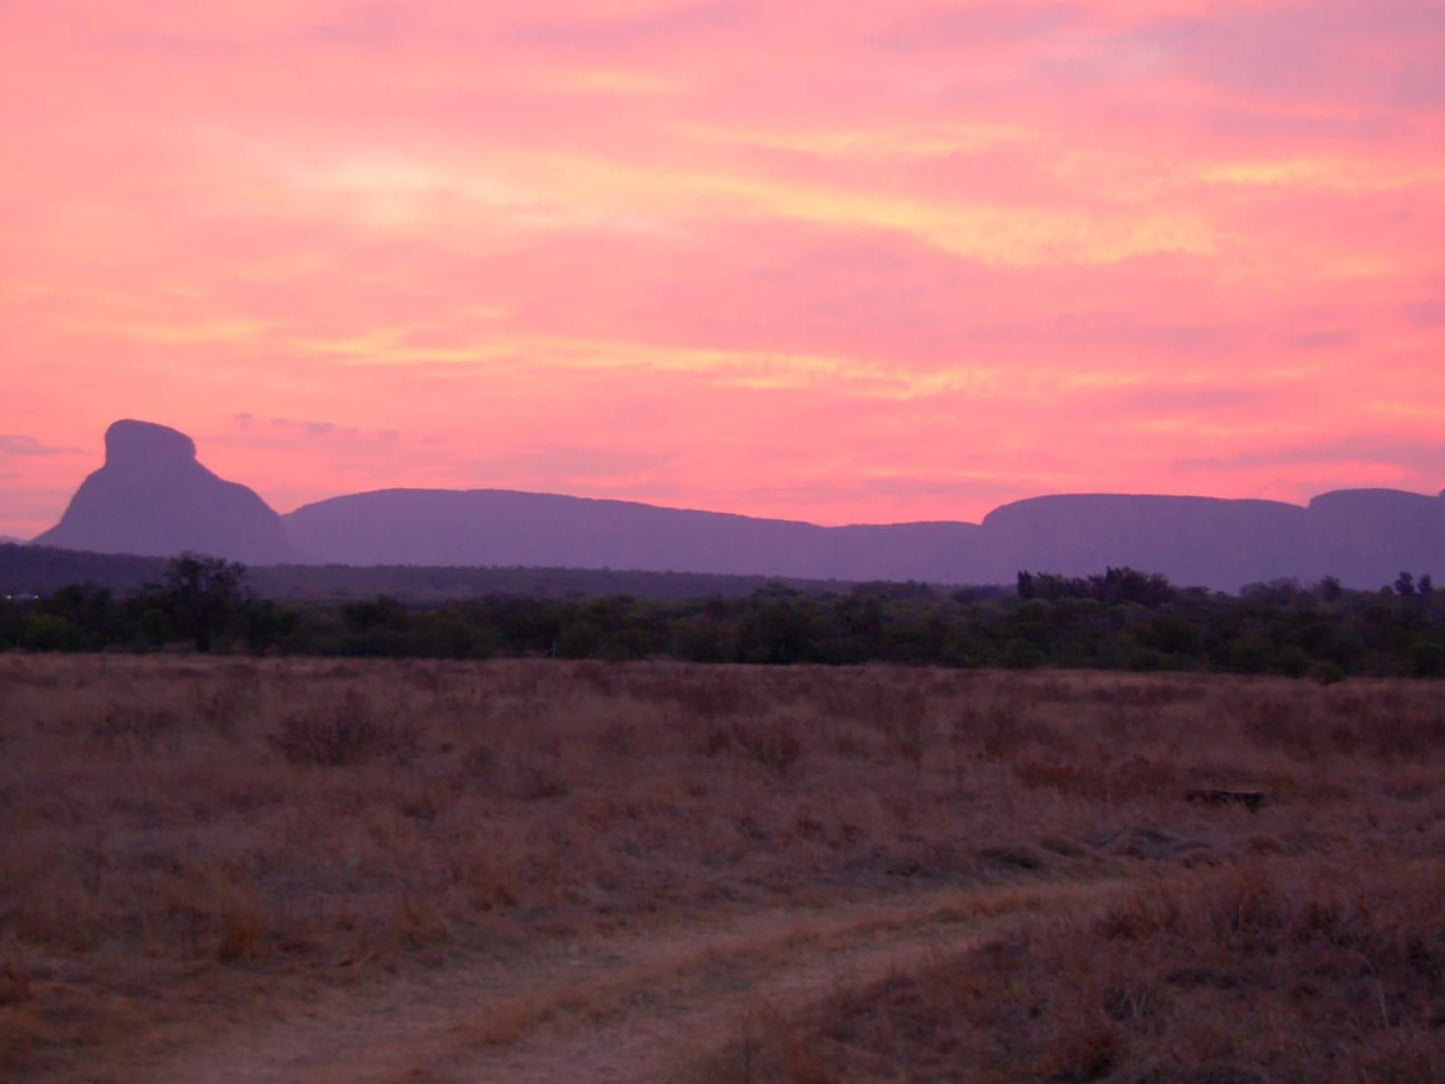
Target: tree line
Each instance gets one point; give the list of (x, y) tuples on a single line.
[(1120, 619), (40, 570)]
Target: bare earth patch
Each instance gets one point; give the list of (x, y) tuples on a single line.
[(632, 1008)]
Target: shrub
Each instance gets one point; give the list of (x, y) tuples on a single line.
[(344, 732)]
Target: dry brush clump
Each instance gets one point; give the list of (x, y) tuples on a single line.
[(347, 730), (170, 822)]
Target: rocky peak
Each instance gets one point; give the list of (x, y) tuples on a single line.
[(133, 445), (154, 497)]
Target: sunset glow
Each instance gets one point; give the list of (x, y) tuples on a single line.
[(859, 262)]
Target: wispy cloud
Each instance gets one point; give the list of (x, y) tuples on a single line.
[(1427, 314), (316, 430), (647, 29), (974, 24), (1425, 457), (1359, 52), (369, 24), (12, 444), (564, 463)]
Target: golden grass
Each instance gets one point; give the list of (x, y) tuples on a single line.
[(182, 839)]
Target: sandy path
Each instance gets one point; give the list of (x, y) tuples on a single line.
[(621, 1009)]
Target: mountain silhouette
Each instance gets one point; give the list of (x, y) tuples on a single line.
[(1371, 535), (1192, 540), (153, 497), (504, 527)]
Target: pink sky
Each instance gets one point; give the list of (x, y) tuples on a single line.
[(856, 262)]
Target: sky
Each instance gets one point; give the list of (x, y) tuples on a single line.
[(859, 262)]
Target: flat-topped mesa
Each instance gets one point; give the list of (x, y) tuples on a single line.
[(1192, 540), (1361, 534), (154, 497), (133, 445)]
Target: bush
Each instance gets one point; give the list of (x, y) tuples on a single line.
[(345, 732)]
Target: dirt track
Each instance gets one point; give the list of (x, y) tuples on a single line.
[(624, 1009)]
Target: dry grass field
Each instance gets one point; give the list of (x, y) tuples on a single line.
[(294, 870)]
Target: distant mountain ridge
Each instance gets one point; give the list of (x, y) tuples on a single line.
[(1364, 537), (506, 527)]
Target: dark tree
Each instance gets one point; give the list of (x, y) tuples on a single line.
[(204, 595)]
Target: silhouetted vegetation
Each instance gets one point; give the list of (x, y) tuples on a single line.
[(40, 570), (1122, 619)]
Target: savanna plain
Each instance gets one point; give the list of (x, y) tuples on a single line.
[(231, 869)]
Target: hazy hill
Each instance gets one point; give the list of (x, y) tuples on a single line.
[(1192, 540), (1364, 537), (153, 497), (39, 570), (502, 527), (1367, 536)]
